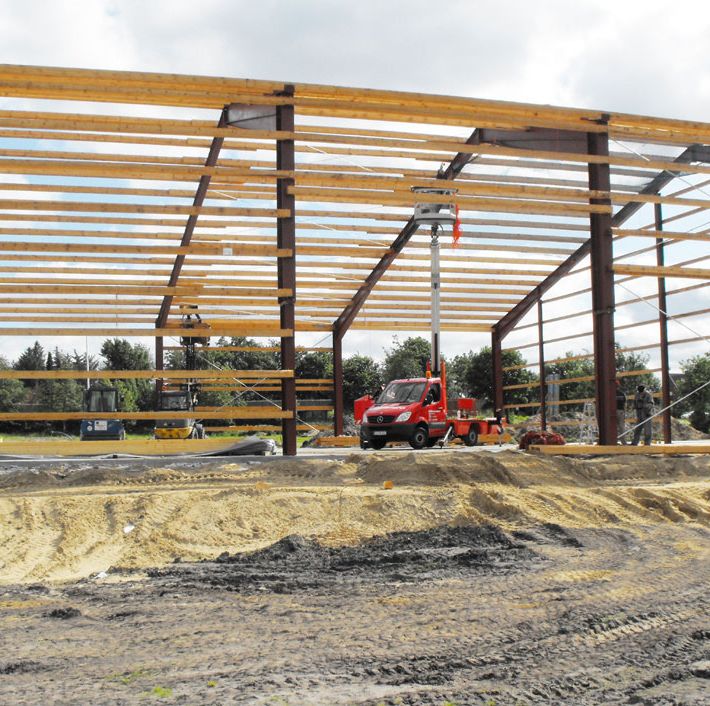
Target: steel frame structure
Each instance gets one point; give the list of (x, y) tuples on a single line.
[(127, 217)]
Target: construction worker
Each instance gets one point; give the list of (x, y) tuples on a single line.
[(643, 404), (499, 422), (620, 414)]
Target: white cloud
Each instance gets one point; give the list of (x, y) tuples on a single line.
[(637, 56)]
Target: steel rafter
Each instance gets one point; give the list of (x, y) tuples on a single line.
[(510, 320), (343, 322), (199, 199)]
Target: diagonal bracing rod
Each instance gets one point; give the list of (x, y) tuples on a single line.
[(199, 199)]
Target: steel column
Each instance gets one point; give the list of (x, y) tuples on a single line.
[(159, 362), (286, 268), (338, 404), (602, 276), (541, 367), (663, 324), (497, 371)]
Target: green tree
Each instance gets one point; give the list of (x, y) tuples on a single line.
[(252, 359), (120, 354), (32, 358), (60, 395), (78, 361), (471, 374), (361, 376), (314, 364), (457, 376), (406, 359), (577, 367), (696, 372), (12, 392)]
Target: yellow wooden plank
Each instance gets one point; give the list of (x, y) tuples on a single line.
[(137, 447), (668, 271), (654, 449), (213, 413), (244, 329), (664, 234), (141, 374), (337, 441)]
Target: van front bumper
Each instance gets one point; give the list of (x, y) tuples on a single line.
[(388, 432)]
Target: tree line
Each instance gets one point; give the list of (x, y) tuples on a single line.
[(469, 375)]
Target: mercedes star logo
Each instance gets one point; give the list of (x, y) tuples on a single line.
[(379, 419)]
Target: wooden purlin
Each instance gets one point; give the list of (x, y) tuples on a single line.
[(393, 159), (163, 89), (245, 412)]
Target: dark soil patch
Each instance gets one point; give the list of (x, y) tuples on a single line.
[(64, 613), (24, 666), (298, 563)]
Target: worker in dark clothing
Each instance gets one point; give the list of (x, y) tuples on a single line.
[(499, 422), (620, 414), (643, 404)]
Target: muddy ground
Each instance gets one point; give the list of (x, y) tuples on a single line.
[(495, 579)]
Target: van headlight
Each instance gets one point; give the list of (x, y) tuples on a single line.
[(403, 417)]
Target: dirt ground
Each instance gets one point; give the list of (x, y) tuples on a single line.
[(487, 578)]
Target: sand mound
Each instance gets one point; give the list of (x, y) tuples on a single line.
[(62, 526)]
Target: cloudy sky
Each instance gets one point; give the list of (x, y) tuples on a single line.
[(638, 56)]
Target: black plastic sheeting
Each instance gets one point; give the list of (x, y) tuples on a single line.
[(251, 446)]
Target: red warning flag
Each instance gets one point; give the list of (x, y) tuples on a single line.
[(457, 228)]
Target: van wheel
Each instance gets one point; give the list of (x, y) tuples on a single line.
[(419, 438), (471, 437)]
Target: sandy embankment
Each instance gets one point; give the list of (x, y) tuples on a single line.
[(58, 527)]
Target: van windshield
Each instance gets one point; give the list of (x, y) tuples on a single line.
[(177, 402), (401, 393), (101, 401)]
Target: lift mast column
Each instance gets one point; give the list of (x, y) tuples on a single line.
[(435, 303), (435, 212)]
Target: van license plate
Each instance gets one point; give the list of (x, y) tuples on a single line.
[(379, 433)]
